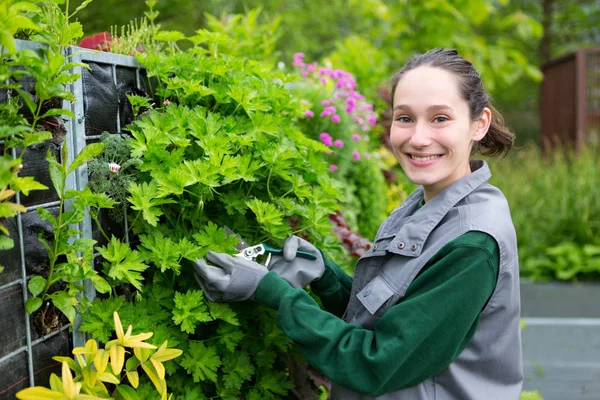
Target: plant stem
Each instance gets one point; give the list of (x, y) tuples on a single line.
[(97, 221)]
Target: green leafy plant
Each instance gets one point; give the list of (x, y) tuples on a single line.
[(554, 201), (22, 112), (100, 373), (566, 261), (225, 150), (70, 256)]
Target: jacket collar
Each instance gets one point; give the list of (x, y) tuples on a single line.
[(415, 231)]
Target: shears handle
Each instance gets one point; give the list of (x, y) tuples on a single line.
[(279, 252)]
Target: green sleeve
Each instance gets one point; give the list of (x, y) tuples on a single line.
[(333, 288), (415, 339)]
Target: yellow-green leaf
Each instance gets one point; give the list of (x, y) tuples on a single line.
[(101, 360), (107, 377), (117, 359), (134, 378), (39, 393)]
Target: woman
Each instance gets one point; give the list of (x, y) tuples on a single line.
[(433, 309)]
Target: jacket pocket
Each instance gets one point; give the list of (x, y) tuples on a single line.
[(375, 294)]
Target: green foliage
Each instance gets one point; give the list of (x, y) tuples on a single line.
[(95, 367), (70, 255), (566, 261), (554, 201)]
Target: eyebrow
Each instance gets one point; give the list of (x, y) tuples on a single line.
[(434, 107)]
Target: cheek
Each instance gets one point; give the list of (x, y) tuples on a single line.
[(397, 136)]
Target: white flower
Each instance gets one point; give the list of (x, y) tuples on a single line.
[(114, 167)]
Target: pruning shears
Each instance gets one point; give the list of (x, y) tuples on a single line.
[(253, 252)]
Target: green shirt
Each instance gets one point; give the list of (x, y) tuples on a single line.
[(414, 340)]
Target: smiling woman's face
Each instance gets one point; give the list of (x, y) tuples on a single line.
[(432, 131)]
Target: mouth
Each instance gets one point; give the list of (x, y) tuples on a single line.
[(424, 157)]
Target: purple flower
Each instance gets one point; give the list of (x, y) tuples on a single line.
[(311, 67), (309, 114), (333, 167), (336, 119), (356, 155), (356, 136), (324, 71), (349, 109), (326, 102), (338, 143), (372, 120), (350, 101), (323, 81)]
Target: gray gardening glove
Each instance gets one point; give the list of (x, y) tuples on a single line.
[(236, 280), (297, 271)]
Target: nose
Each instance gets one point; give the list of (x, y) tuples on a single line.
[(421, 136)]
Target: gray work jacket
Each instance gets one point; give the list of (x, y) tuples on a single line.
[(491, 366)]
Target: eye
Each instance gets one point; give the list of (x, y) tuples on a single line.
[(404, 119), (440, 119)]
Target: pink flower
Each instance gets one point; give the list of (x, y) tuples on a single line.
[(372, 120), (349, 109), (368, 107), (326, 102), (328, 111), (298, 57), (333, 167), (323, 81), (356, 155), (338, 143), (309, 114), (359, 120), (114, 167), (367, 156), (326, 139), (311, 67), (304, 73), (166, 102), (336, 119), (324, 71), (356, 136)]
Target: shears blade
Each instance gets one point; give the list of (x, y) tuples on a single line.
[(241, 244)]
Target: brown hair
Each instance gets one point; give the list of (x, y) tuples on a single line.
[(499, 139)]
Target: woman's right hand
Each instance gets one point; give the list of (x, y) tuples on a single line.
[(298, 271)]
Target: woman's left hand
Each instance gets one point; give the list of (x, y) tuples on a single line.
[(236, 280)]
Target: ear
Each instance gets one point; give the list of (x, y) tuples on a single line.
[(482, 125)]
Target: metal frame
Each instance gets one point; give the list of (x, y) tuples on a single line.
[(76, 140)]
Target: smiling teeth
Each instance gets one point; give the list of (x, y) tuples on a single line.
[(424, 158)]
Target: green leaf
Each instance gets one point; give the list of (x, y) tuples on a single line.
[(6, 243), (201, 362), (230, 336), (66, 304), (27, 184), (144, 198), (32, 304), (274, 383), (123, 263), (88, 153), (161, 251), (189, 310), (237, 369), (100, 284), (58, 111), (29, 139), (36, 285), (223, 312), (123, 391), (57, 173), (82, 245), (98, 321), (45, 215), (214, 238), (270, 217), (189, 250), (169, 36), (81, 7)]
